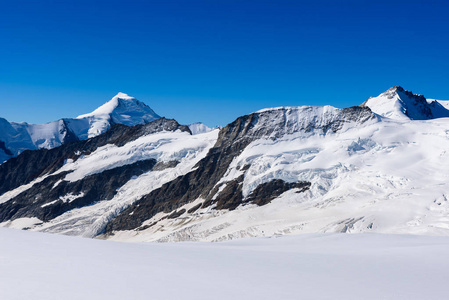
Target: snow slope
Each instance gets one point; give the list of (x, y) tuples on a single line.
[(320, 266), (18, 137), (121, 109)]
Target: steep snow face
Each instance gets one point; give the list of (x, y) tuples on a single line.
[(197, 128), (49, 135), (121, 109), (18, 137), (399, 104)]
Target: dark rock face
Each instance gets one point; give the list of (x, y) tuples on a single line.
[(268, 191), (69, 136), (420, 102), (6, 150), (231, 196), (231, 141), (48, 199), (32, 164)]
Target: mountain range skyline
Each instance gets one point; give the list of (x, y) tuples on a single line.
[(354, 102)]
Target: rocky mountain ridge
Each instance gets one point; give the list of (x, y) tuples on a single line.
[(276, 171)]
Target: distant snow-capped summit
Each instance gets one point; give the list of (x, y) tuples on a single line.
[(124, 109), (121, 109), (400, 104)]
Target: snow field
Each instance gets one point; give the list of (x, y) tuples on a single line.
[(317, 266)]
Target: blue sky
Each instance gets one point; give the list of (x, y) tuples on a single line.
[(212, 60)]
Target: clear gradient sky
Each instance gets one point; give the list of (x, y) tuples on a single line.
[(213, 60)]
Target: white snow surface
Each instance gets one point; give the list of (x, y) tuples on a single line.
[(318, 266)]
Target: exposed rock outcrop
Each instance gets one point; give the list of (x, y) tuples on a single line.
[(53, 196)]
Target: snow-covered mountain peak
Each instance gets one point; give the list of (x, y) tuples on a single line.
[(123, 96), (393, 91), (121, 109), (400, 104), (122, 104)]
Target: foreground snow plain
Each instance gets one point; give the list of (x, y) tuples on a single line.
[(37, 265)]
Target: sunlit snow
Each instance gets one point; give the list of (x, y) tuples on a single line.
[(319, 266)]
